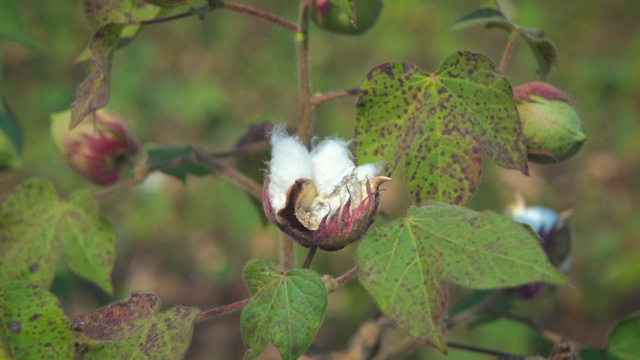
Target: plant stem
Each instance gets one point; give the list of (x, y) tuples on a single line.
[(318, 99), (222, 310), (258, 13), (476, 349), (353, 272), (202, 158), (302, 49), (310, 255), (507, 51), (287, 252), (191, 12)]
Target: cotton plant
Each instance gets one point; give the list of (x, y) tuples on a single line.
[(320, 197)]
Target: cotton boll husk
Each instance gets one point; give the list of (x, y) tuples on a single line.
[(331, 161), (290, 161)]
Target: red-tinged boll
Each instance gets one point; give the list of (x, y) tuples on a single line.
[(550, 121), (96, 149), (319, 197)]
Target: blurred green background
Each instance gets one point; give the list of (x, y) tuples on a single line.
[(203, 82)]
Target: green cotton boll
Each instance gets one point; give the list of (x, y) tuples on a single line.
[(550, 121), (9, 153), (328, 16)]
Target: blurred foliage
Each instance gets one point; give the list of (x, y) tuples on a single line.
[(201, 83)]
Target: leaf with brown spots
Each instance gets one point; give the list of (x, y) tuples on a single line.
[(133, 329), (285, 308), (440, 124), (490, 16), (93, 92), (404, 265), (38, 230), (32, 323), (117, 321), (102, 12)]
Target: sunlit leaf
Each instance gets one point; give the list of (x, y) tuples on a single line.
[(405, 264), (32, 323), (168, 155), (489, 15), (133, 329), (39, 230), (12, 26), (93, 92), (285, 308), (440, 124), (623, 339)]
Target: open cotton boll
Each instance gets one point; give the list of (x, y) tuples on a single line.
[(331, 161), (290, 161), (367, 171)]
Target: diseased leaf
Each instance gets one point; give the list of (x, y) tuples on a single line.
[(405, 264), (490, 16), (117, 321), (12, 26), (38, 231), (133, 329), (169, 3), (165, 154), (103, 12), (286, 308), (440, 124), (93, 92), (623, 339), (32, 323)]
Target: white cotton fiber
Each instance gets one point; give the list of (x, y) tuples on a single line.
[(367, 171), (331, 161), (290, 161)]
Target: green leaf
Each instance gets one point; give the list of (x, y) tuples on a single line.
[(140, 10), (405, 264), (169, 3), (286, 308), (166, 154), (93, 92), (89, 241), (440, 123), (32, 323), (39, 230), (349, 8), (623, 339), (12, 26), (133, 329), (489, 15), (11, 139)]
